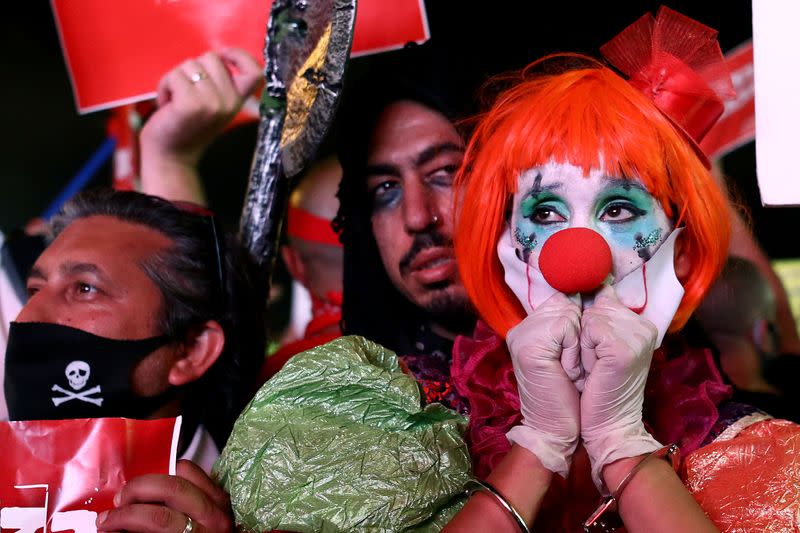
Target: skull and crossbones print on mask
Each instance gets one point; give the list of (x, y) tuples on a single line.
[(558, 196), (57, 372), (78, 373)]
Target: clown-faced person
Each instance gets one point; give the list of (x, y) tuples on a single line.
[(590, 227)]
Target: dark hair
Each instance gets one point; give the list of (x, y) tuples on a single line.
[(188, 275), (372, 306)]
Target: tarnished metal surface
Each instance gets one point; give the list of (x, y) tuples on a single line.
[(308, 42)]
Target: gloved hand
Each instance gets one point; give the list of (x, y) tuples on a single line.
[(616, 349), (545, 351)]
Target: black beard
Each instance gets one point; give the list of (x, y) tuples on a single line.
[(423, 241), (453, 312)]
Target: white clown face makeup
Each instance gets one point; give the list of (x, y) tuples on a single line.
[(557, 196), (641, 238)]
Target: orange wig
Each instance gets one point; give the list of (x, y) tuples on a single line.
[(591, 118)]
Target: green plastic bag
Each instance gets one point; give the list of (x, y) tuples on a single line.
[(338, 440)]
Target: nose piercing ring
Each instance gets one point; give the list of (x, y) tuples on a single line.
[(435, 219)]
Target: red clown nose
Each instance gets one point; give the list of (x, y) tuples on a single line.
[(575, 260)]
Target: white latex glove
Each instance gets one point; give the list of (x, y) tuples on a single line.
[(545, 351), (616, 349)]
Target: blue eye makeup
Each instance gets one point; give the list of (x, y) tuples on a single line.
[(626, 216), (620, 211), (557, 196), (443, 176), (622, 205), (387, 194), (541, 214), (544, 209)]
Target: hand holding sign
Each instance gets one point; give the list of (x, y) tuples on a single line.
[(196, 100), (190, 497)]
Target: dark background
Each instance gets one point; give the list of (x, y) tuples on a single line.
[(43, 141)]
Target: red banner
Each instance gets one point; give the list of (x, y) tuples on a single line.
[(58, 475), (117, 51), (737, 125)]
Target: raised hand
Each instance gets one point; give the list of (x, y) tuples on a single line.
[(545, 351), (196, 100)]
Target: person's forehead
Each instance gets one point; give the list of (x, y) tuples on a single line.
[(405, 129), (111, 244), (556, 176)]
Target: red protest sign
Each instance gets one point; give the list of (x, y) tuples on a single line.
[(737, 125), (116, 52), (58, 475), (383, 25)]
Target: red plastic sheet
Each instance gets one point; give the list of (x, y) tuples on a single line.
[(750, 482), (58, 475)]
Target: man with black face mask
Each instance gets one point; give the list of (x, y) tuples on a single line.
[(139, 308)]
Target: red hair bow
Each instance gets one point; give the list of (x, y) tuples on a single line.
[(677, 63)]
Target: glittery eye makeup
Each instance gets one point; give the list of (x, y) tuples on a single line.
[(558, 196), (540, 214)]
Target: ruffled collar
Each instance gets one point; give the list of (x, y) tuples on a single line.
[(683, 390)]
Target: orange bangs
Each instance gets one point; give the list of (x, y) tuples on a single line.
[(591, 118)]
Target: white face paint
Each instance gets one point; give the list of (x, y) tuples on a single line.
[(556, 196)]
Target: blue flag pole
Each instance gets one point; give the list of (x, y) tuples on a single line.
[(83, 176)]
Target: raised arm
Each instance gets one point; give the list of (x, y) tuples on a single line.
[(196, 100)]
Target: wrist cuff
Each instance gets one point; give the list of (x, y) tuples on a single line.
[(614, 446)]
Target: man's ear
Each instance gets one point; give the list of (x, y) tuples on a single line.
[(201, 349), (294, 264)]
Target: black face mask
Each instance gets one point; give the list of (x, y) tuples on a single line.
[(55, 372)]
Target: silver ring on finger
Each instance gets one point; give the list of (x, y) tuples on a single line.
[(189, 525), (197, 77)]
